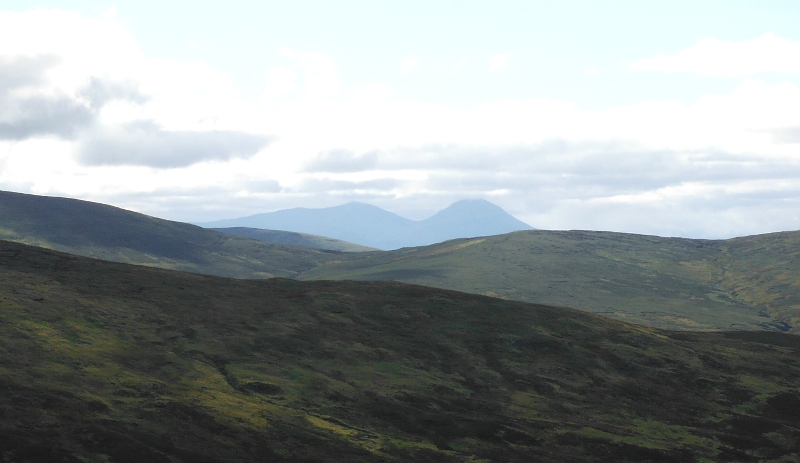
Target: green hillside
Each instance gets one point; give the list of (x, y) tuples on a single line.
[(106, 362), (764, 271), (744, 283), (295, 239), (105, 232)]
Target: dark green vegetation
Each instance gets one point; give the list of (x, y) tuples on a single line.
[(676, 283), (742, 283), (295, 239), (107, 362), (105, 232)]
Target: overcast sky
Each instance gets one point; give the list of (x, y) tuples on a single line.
[(668, 118)]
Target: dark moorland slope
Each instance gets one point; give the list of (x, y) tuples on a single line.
[(107, 362), (110, 233)]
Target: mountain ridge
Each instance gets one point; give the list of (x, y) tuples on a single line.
[(106, 232), (372, 226)]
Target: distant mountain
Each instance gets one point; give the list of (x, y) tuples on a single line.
[(372, 226), (295, 239), (465, 219)]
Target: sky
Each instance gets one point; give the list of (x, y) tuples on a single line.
[(667, 118)]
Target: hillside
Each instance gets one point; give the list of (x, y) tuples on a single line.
[(295, 239), (742, 283), (676, 283), (110, 233), (106, 362), (764, 271), (372, 226)]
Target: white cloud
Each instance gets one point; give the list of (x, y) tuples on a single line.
[(715, 57), (499, 62), (342, 161), (281, 82), (409, 65), (31, 106), (145, 143), (85, 79)]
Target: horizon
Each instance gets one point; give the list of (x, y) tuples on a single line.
[(209, 224), (671, 119)]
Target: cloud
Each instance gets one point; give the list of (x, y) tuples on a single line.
[(27, 117), (263, 186), (24, 71), (595, 184), (280, 82), (101, 91), (30, 106), (499, 62), (340, 161), (409, 65), (29, 109), (346, 188), (714, 57), (144, 143), (787, 135)]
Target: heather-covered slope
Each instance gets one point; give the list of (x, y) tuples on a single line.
[(107, 362)]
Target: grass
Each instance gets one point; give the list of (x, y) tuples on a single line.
[(109, 362)]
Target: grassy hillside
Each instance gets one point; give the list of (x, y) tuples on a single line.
[(743, 283), (764, 271), (106, 362), (106, 232), (663, 282), (295, 239)]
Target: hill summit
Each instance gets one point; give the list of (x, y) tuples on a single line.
[(372, 226)]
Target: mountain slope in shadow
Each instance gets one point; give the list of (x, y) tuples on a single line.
[(110, 233)]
